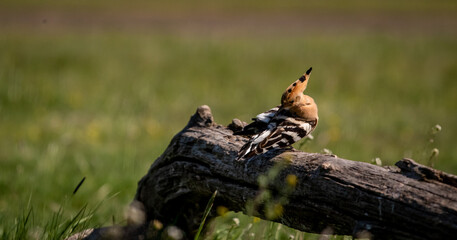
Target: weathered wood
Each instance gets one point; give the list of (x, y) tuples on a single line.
[(408, 202)]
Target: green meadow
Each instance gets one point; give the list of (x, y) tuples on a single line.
[(104, 105)]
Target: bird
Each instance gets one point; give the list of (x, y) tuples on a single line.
[(283, 125)]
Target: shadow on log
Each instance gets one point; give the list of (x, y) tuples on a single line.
[(410, 201)]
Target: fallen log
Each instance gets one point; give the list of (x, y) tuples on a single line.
[(313, 191)]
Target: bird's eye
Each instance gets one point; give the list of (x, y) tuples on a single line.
[(292, 101)]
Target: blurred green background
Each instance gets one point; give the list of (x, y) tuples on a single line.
[(98, 89)]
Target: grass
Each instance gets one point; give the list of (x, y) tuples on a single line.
[(238, 226), (104, 105), (56, 227), (208, 208), (246, 5)]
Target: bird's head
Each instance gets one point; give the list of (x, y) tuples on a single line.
[(295, 90), (305, 107)]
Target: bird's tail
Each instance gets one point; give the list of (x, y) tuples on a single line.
[(244, 151), (252, 147)]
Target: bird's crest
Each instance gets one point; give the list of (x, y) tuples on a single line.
[(296, 88)]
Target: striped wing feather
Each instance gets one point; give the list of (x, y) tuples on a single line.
[(260, 124), (281, 133)]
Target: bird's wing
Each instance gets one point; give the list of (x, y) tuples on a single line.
[(287, 133), (259, 124), (266, 116), (282, 131)]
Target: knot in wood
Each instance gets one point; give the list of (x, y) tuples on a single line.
[(327, 167), (202, 117), (236, 125)]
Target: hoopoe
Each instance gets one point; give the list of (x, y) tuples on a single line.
[(283, 125)]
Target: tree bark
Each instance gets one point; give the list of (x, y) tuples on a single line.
[(410, 201)]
